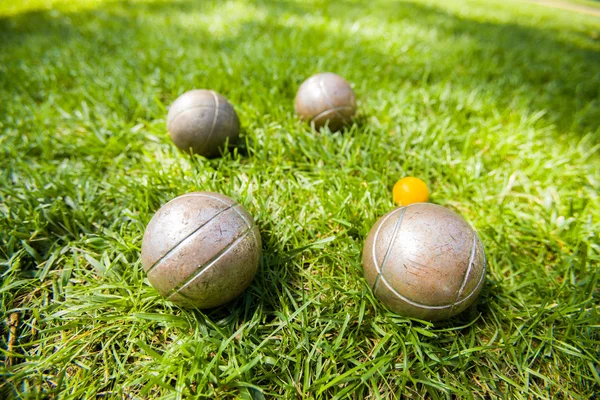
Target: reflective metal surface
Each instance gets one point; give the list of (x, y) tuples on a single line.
[(201, 249), (202, 120), (424, 261), (326, 99)]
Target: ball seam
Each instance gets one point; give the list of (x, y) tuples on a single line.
[(469, 269), (207, 265), (322, 86), (381, 278), (193, 108), (389, 248), (335, 109), (429, 307), (251, 225), (426, 306), (385, 218), (214, 123), (174, 248)]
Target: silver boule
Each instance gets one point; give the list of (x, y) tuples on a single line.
[(326, 99), (424, 261), (201, 121), (201, 250)]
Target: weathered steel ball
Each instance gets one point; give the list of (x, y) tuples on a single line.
[(326, 99), (202, 121), (424, 261), (201, 250)]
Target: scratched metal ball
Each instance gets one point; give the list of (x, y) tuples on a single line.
[(424, 261), (326, 99), (202, 121), (201, 250)]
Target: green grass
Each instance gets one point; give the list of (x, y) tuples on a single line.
[(495, 105)]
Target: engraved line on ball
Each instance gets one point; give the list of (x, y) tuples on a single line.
[(249, 224), (391, 214), (193, 108), (389, 249), (484, 261), (414, 303), (234, 206), (407, 300), (190, 302), (469, 268), (201, 270), (186, 239), (335, 109), (322, 85), (212, 127), (421, 305), (481, 278), (426, 306)]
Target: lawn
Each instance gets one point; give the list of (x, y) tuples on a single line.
[(495, 104)]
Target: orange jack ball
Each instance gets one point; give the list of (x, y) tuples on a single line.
[(410, 190)]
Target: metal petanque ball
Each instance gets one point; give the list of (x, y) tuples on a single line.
[(326, 99), (424, 261), (201, 250), (202, 120)]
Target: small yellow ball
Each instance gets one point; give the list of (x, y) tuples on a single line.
[(410, 190)]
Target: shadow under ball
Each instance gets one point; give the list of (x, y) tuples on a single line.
[(424, 261), (201, 250), (202, 120), (326, 99)]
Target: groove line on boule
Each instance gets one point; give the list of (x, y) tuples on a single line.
[(388, 250), (249, 224), (409, 301), (187, 238), (334, 109), (322, 86), (193, 108), (207, 265), (234, 206), (381, 278), (414, 303), (375, 241), (214, 123), (469, 268)]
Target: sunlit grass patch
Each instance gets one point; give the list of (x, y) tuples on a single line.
[(493, 104)]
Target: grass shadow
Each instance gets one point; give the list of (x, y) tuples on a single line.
[(511, 65), (508, 64)]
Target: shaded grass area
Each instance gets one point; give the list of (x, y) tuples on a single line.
[(495, 107)]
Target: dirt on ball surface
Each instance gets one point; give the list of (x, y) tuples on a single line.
[(201, 250), (326, 99), (424, 261), (201, 121)]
